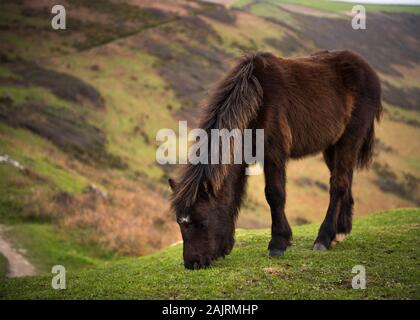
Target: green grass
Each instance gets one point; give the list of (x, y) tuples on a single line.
[(63, 179), (6, 73), (47, 245), (3, 267), (32, 229), (332, 6), (272, 11), (34, 95), (3, 272), (241, 3), (327, 5), (126, 111), (402, 114), (386, 244), (35, 156)]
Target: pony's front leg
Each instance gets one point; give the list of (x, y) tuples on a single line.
[(341, 160), (275, 193)]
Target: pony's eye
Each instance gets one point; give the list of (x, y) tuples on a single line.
[(183, 221)]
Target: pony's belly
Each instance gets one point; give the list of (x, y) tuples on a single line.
[(304, 145), (315, 133), (296, 153)]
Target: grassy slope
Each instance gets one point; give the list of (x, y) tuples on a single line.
[(387, 244), (51, 170), (3, 267), (331, 6), (127, 101), (46, 246)]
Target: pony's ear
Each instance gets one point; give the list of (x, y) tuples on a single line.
[(172, 184)]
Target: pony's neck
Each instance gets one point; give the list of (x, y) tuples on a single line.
[(233, 190)]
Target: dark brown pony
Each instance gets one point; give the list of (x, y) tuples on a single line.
[(326, 103)]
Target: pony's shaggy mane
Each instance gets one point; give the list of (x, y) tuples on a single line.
[(233, 104)]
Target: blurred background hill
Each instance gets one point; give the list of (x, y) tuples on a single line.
[(80, 109)]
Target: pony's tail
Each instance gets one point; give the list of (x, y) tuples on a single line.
[(234, 104), (365, 155)]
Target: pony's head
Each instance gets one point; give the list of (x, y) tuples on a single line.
[(207, 228)]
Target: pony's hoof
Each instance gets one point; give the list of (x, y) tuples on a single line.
[(276, 253), (340, 237), (319, 247)]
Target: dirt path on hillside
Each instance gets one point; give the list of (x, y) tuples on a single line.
[(18, 265)]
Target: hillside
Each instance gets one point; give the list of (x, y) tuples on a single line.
[(80, 109), (386, 244)]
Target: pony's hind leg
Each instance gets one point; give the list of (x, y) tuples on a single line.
[(340, 159), (345, 210), (345, 215), (275, 193)]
